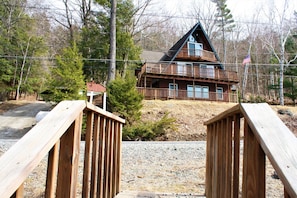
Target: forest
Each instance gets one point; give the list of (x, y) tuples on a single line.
[(57, 47)]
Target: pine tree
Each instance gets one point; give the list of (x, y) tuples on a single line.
[(124, 99), (67, 79), (224, 21)]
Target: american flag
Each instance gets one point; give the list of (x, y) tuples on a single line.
[(246, 60)]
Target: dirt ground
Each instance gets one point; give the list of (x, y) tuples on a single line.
[(190, 116)]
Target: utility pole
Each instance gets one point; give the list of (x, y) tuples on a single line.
[(112, 48)]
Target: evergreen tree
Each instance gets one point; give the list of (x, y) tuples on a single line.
[(124, 99), (290, 80), (19, 42), (67, 79), (98, 30), (224, 21)]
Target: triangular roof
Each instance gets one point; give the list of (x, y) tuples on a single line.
[(197, 29)]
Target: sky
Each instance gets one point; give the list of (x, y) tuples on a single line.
[(243, 9)]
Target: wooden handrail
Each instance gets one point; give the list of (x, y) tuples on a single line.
[(165, 93), (264, 135), (58, 135)]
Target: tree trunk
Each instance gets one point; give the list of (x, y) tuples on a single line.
[(281, 71), (17, 96), (112, 49)]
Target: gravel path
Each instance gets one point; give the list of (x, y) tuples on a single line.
[(160, 167), (176, 167)]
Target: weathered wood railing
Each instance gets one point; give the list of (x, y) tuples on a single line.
[(165, 93), (264, 135), (58, 135), (189, 71)]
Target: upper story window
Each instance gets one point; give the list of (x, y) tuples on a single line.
[(194, 48)]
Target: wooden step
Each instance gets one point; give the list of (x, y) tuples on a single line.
[(145, 194)]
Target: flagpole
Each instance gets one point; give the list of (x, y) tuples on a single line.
[(244, 82)]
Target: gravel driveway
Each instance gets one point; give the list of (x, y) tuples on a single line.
[(15, 123)]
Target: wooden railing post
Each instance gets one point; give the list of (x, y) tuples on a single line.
[(102, 156), (95, 156), (68, 160), (88, 154), (253, 184), (19, 193), (52, 169), (236, 156)]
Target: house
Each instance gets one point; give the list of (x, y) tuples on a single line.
[(191, 69), (96, 94)]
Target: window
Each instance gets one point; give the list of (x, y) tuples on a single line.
[(220, 93), (197, 91), (190, 91), (205, 92), (173, 90), (207, 71), (195, 49), (184, 68)]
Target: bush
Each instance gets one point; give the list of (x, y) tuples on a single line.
[(124, 99), (149, 130)]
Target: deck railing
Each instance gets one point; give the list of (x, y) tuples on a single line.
[(59, 136), (197, 54), (165, 94), (264, 135), (188, 71)]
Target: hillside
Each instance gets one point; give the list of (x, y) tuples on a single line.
[(190, 116)]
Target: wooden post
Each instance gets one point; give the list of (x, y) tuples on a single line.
[(95, 156), (209, 160), (106, 178), (236, 156), (119, 155), (52, 169), (19, 193), (68, 160), (102, 157), (253, 184), (88, 154)]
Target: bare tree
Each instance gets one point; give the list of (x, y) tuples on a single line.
[(283, 31), (204, 11)]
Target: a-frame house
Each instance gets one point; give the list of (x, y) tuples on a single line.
[(191, 69)]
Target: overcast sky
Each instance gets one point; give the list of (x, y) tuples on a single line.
[(241, 9)]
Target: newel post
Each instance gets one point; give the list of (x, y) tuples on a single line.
[(68, 160)]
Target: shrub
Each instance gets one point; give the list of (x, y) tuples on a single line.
[(124, 99), (149, 130)]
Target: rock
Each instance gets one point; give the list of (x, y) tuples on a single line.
[(284, 112)]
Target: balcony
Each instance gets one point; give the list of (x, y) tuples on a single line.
[(197, 54), (190, 71), (165, 93)]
